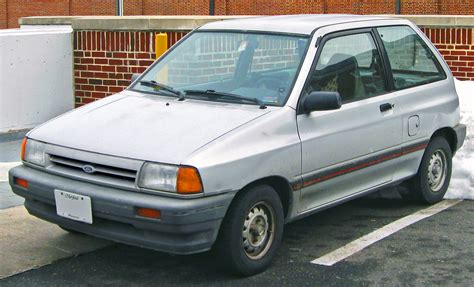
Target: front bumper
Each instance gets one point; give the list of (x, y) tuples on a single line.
[(186, 225)]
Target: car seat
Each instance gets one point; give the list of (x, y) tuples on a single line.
[(340, 74)]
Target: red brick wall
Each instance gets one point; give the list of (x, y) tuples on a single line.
[(16, 9), (104, 61), (3, 14), (21, 8), (420, 6), (270, 7), (90, 7), (133, 8), (377, 7), (453, 7), (456, 46), (176, 7)]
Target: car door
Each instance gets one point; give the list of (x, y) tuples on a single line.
[(352, 149), (424, 99)]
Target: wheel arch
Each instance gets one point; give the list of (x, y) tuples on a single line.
[(282, 187), (450, 135)]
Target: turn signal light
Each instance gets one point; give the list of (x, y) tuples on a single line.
[(188, 181), (148, 212), (21, 182), (23, 149)]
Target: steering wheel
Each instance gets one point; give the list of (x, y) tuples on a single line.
[(269, 83)]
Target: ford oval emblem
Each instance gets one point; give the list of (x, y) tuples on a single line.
[(88, 168)]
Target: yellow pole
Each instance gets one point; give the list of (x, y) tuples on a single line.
[(161, 44)]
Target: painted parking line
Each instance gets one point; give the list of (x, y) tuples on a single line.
[(4, 168), (379, 234)]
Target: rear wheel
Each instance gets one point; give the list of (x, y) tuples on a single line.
[(251, 231), (433, 177)]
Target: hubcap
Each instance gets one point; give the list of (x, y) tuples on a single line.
[(437, 168), (257, 232)]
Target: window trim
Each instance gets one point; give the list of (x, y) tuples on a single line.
[(320, 44), (436, 62)]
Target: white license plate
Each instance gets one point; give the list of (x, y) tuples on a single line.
[(73, 206)]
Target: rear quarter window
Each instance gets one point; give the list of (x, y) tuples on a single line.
[(411, 60)]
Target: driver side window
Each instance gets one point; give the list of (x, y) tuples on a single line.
[(350, 65)]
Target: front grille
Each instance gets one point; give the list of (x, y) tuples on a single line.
[(107, 174), (100, 169)]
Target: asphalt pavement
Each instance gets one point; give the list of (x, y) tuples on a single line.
[(437, 251)]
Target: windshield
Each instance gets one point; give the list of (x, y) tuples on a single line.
[(261, 67)]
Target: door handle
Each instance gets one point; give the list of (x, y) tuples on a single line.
[(385, 107)]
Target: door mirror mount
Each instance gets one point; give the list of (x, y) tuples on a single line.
[(322, 101)]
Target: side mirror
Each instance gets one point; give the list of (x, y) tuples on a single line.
[(322, 101), (134, 77)]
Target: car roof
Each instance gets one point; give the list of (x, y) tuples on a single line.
[(294, 24)]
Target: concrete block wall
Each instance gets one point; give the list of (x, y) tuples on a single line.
[(36, 81)]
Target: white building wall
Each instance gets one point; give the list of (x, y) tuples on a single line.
[(36, 76)]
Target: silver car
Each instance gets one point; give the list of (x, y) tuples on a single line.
[(243, 126)]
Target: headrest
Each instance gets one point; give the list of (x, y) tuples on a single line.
[(339, 63)]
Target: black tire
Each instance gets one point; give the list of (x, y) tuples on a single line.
[(236, 246), (423, 186)]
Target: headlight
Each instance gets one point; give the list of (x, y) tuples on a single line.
[(170, 178), (33, 152), (158, 176)]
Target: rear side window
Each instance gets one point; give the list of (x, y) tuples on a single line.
[(411, 61), (349, 65)]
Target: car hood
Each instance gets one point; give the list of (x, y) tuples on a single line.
[(145, 127)]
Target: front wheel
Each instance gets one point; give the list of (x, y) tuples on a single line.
[(251, 231), (433, 177)]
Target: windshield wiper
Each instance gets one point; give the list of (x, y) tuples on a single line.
[(154, 84), (224, 94)]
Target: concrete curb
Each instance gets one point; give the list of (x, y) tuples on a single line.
[(5, 167), (128, 23), (13, 135), (188, 23)]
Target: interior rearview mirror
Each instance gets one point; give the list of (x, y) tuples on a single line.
[(322, 101)]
